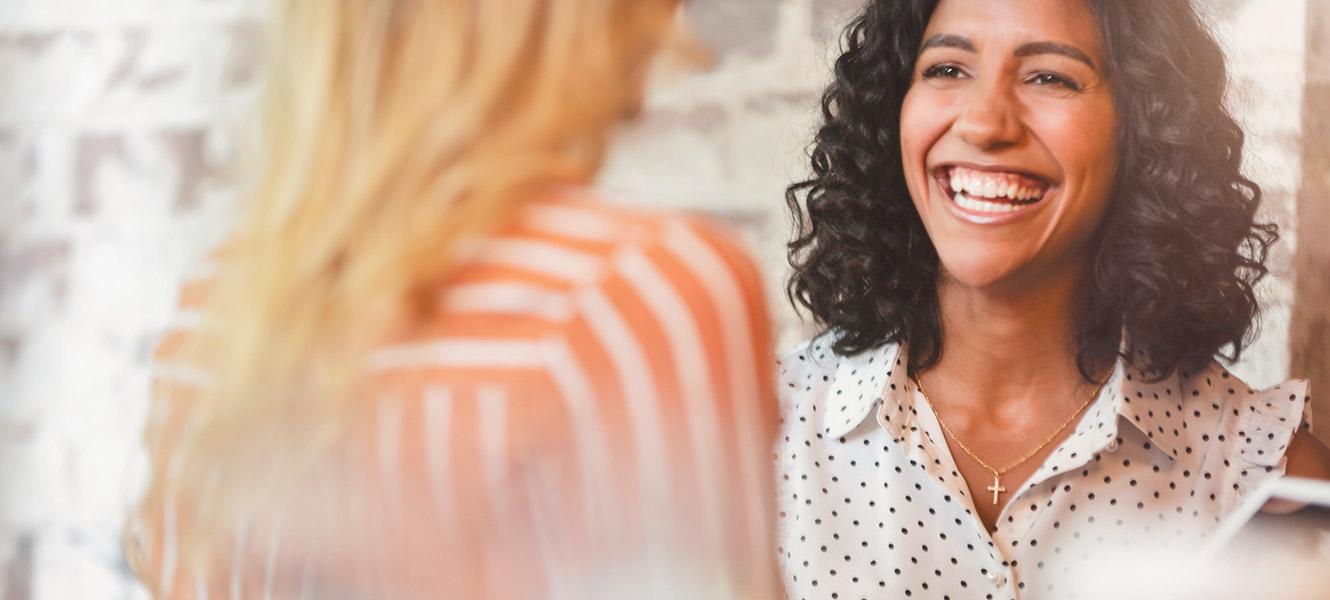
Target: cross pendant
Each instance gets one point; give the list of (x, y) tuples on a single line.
[(996, 488)]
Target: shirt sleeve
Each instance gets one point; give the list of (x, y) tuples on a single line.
[(1258, 430)]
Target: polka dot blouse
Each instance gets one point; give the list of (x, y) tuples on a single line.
[(873, 506)]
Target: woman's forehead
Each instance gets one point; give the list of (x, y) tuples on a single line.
[(1009, 23)]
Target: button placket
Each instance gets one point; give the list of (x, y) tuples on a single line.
[(999, 577)]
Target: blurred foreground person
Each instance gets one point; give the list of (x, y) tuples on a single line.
[(429, 364)]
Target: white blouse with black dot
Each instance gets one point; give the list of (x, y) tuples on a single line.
[(872, 505)]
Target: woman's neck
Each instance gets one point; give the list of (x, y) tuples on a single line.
[(1009, 349)]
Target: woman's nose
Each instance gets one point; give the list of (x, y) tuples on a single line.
[(989, 117)]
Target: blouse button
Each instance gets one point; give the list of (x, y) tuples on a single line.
[(1113, 445)]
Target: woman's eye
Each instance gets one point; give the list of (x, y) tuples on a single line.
[(1054, 80), (944, 72)]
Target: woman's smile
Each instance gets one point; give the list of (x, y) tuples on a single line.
[(992, 195)]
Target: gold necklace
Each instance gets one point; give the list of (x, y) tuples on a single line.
[(997, 488)]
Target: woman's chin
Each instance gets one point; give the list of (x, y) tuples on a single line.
[(978, 271)]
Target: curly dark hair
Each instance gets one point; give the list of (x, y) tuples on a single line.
[(1175, 259)]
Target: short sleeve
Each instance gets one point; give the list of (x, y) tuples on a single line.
[(1266, 423)]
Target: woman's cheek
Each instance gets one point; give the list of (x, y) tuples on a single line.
[(924, 119)]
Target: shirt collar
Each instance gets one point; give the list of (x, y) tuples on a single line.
[(1159, 408), (861, 381), (880, 375)]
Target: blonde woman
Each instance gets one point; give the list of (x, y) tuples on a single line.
[(431, 363)]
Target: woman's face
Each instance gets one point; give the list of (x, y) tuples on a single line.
[(1008, 138)]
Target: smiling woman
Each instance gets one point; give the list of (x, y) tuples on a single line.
[(1033, 209)]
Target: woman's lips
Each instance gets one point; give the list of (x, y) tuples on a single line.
[(987, 197)]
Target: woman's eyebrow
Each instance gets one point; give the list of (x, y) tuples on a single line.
[(1036, 48), (947, 40)]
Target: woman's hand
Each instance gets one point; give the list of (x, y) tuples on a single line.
[(1307, 457)]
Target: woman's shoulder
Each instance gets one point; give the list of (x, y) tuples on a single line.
[(606, 216), (807, 364), (583, 236), (1250, 425), (575, 266), (1284, 402), (831, 393), (815, 360)]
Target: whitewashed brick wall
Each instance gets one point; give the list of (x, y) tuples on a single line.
[(114, 164), (119, 124)]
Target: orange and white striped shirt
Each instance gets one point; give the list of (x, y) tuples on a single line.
[(588, 414)]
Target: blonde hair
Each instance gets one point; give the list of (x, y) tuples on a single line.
[(394, 131)]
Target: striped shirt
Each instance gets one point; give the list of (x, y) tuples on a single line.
[(588, 413)]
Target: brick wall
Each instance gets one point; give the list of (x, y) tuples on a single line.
[(114, 165), (117, 143)]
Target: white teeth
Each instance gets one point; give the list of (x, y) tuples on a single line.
[(979, 185), (972, 204)]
